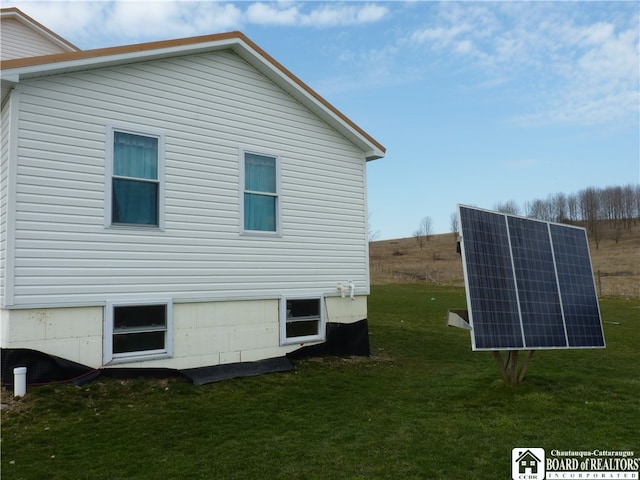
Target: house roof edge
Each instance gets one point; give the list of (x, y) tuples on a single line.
[(147, 50), (19, 15)]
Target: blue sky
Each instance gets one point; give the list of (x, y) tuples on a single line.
[(478, 103)]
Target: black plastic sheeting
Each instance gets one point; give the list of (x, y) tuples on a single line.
[(45, 369), (204, 375), (342, 340), (41, 367)]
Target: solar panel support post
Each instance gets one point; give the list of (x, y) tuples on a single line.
[(509, 370)]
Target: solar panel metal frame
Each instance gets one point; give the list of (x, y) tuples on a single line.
[(529, 283)]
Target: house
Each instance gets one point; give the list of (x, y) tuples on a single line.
[(21, 36), (174, 204), (528, 463)]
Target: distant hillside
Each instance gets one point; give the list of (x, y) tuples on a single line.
[(402, 260)]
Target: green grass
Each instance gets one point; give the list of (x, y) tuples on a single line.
[(422, 407)]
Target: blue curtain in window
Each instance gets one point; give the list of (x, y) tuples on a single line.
[(135, 156), (260, 193), (134, 202), (135, 198)]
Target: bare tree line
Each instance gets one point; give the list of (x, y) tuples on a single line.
[(618, 207)]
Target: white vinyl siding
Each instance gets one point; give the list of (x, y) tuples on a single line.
[(8, 175), (19, 41), (4, 184), (208, 107)]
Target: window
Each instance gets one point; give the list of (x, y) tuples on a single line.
[(301, 320), (260, 202), (138, 331), (134, 187)]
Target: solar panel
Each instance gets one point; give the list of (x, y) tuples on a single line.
[(529, 283)]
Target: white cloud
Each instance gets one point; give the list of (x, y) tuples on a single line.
[(371, 13), (598, 76), (440, 37), (320, 15), (464, 47), (99, 23), (158, 20), (577, 62), (272, 14), (210, 17), (92, 24), (335, 14), (66, 18), (136, 19), (579, 69)]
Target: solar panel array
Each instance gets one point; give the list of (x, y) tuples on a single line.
[(529, 283)]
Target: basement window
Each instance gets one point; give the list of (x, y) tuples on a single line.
[(302, 320), (138, 331)]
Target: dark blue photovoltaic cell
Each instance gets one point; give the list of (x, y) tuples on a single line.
[(494, 305), (537, 286), (575, 277), (529, 283)]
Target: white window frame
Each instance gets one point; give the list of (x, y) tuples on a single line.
[(278, 194), (322, 323), (108, 176), (109, 357)]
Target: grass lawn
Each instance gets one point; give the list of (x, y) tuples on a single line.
[(422, 407)]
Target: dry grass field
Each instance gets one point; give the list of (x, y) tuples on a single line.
[(616, 265)]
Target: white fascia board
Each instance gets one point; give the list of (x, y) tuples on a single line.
[(374, 154), (10, 78)]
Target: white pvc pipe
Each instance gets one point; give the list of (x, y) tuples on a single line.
[(19, 381)]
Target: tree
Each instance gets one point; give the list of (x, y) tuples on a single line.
[(424, 231), (630, 213), (454, 223), (372, 234), (637, 203), (572, 207), (539, 209), (510, 207), (559, 207), (591, 206)]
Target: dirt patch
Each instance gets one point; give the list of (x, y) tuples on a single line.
[(9, 403)]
